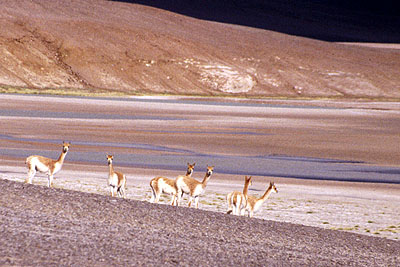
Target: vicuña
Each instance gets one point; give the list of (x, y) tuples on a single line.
[(254, 203), (116, 180), (45, 165), (237, 201), (192, 187), (161, 185)]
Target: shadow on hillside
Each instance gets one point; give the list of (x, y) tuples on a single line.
[(329, 20)]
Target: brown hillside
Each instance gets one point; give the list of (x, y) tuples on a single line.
[(132, 48)]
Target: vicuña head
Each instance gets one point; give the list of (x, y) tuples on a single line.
[(190, 168), (210, 170), (65, 147), (273, 187), (46, 165), (192, 187), (116, 180), (110, 159)]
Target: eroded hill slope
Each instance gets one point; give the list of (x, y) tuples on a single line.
[(131, 48)]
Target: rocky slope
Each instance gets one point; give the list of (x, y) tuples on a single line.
[(41, 226)]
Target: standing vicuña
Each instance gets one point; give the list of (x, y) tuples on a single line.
[(237, 201), (192, 187), (116, 180), (164, 185), (254, 203), (46, 165)]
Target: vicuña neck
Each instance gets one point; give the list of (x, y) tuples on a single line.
[(267, 193), (62, 157), (111, 167), (246, 188), (205, 179)]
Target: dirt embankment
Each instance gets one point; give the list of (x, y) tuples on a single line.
[(112, 46), (41, 226)]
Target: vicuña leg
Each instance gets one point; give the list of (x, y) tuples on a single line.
[(229, 203), (173, 200), (112, 191), (153, 195), (196, 201), (50, 180), (31, 174), (190, 201)]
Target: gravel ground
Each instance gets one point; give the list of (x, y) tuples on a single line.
[(41, 226)]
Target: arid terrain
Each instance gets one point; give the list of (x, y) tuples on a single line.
[(98, 46), (43, 227), (304, 94), (157, 136)]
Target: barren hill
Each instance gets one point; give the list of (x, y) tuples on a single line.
[(135, 48)]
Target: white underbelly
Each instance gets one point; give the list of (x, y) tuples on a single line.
[(198, 191), (39, 165), (182, 186), (258, 205), (113, 180), (166, 188)]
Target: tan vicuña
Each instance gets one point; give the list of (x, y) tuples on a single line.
[(165, 185), (236, 200), (45, 165), (254, 203), (192, 187), (116, 180)]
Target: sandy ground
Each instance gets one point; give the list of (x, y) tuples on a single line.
[(365, 208)]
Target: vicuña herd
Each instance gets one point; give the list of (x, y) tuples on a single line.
[(238, 202)]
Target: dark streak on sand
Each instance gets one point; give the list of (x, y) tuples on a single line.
[(41, 226)]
